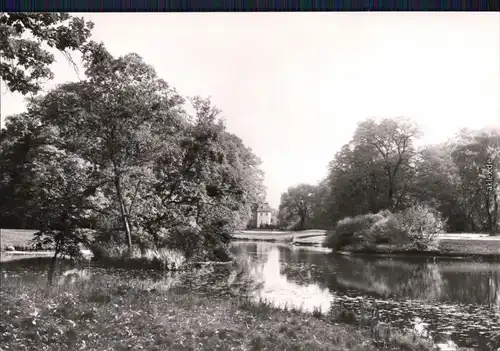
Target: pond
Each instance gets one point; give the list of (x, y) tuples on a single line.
[(450, 300)]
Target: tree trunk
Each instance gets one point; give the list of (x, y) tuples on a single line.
[(302, 222), (495, 223), (488, 211), (494, 230), (390, 193), (52, 267), (123, 213)]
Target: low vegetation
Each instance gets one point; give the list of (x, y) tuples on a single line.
[(413, 229), (139, 314), (120, 256)]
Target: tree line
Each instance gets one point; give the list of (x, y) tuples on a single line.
[(116, 152), (382, 169)]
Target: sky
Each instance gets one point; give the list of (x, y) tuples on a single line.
[(293, 86)]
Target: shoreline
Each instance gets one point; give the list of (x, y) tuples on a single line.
[(115, 261), (465, 247), (393, 255), (453, 246), (422, 254), (7, 256), (397, 254)]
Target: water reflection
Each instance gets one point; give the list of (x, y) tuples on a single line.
[(279, 290), (457, 300), (447, 299), (441, 281)]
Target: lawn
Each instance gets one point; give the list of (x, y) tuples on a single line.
[(18, 238), (315, 235), (458, 246), (15, 237), (133, 314)]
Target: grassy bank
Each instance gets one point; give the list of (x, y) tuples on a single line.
[(448, 245), (453, 245), (16, 238), (453, 248), (416, 231), (469, 247), (112, 255), (137, 314), (306, 237), (20, 238)]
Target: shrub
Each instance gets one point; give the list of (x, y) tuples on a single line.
[(108, 243), (353, 230), (209, 243), (417, 227), (380, 233), (267, 226), (412, 229), (186, 239), (162, 258), (169, 258)]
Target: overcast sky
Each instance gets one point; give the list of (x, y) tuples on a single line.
[(293, 86)]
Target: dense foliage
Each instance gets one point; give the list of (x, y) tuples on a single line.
[(24, 42), (381, 169), (118, 153), (412, 229), (296, 206)]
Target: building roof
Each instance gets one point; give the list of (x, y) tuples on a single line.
[(264, 207)]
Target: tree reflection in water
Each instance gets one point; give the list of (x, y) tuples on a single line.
[(453, 299), (461, 298)]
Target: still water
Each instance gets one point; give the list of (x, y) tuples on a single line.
[(450, 300)]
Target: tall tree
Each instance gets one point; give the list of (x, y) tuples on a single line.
[(437, 183), (60, 199), (297, 205), (19, 140), (357, 181), (215, 181), (321, 218), (160, 174), (477, 156), (393, 140), (119, 119)]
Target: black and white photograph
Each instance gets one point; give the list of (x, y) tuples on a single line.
[(251, 181)]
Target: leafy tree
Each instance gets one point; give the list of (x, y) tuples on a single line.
[(297, 205), (374, 171), (357, 182), (437, 184), (161, 177), (321, 217), (19, 141), (477, 156), (120, 119), (215, 182), (393, 141), (25, 62), (59, 200), (52, 187)]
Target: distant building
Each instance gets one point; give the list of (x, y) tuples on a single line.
[(262, 215)]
